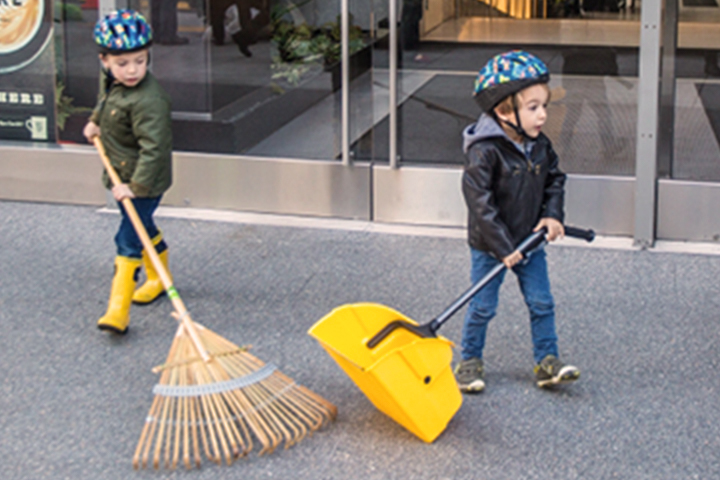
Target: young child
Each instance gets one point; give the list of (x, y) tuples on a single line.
[(132, 118), (512, 186)]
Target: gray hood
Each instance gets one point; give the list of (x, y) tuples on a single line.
[(487, 127)]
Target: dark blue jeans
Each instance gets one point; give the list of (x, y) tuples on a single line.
[(127, 241), (534, 283)]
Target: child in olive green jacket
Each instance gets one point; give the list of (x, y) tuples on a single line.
[(133, 121)]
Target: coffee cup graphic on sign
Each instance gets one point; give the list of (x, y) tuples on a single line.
[(25, 27), (37, 127)]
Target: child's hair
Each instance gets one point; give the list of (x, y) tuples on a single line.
[(508, 104)]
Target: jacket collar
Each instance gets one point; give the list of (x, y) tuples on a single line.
[(486, 127)]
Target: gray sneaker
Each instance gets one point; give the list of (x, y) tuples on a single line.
[(551, 371), (469, 375)]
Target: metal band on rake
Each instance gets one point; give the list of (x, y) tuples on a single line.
[(220, 387)]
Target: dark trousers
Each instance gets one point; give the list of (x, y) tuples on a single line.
[(248, 26), (410, 25), (127, 241), (164, 19)]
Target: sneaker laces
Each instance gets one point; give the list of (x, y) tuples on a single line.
[(470, 366), (551, 364)]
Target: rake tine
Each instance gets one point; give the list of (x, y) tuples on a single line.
[(203, 433), (233, 368), (161, 432), (255, 422), (232, 449), (216, 455), (153, 418), (186, 433), (268, 417), (293, 431), (180, 422), (297, 415), (238, 425), (146, 435)]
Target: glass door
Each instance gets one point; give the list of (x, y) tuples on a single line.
[(590, 47)]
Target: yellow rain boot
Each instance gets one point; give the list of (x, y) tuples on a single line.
[(117, 317), (153, 286)]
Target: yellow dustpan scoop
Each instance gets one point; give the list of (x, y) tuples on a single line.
[(405, 376), (402, 367)]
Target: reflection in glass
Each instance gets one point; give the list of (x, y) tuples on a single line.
[(256, 77), (591, 48), (697, 93)]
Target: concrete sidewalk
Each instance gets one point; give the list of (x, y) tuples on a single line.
[(642, 326)]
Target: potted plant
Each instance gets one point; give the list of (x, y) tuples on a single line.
[(302, 46)]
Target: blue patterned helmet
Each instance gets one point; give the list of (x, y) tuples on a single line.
[(506, 74), (122, 31)]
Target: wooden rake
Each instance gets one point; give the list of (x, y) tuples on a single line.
[(214, 396)]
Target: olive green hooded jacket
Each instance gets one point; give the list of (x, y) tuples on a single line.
[(135, 127)]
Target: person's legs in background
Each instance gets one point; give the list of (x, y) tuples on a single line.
[(410, 26), (163, 17)]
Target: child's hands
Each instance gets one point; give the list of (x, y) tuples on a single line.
[(91, 130), (555, 229), (122, 191), (513, 259)]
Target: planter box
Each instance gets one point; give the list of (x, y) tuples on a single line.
[(360, 62)]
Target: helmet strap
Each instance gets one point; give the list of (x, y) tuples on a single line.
[(517, 127)]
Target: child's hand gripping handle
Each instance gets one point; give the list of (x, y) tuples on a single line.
[(183, 314), (429, 329)]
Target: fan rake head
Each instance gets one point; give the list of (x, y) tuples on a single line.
[(223, 406)]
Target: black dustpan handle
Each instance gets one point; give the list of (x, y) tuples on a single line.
[(429, 329)]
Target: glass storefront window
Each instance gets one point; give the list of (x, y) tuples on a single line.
[(255, 77), (696, 131), (591, 48), (262, 77)]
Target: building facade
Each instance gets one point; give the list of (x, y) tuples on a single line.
[(355, 109)]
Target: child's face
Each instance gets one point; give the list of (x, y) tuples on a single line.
[(127, 68), (532, 110)]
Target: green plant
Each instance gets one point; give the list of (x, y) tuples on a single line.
[(67, 11), (301, 45), (292, 72), (64, 106), (328, 41)]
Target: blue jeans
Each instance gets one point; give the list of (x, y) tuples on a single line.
[(535, 285), (127, 242)]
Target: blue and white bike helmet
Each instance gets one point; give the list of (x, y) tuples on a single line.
[(122, 31), (506, 74)]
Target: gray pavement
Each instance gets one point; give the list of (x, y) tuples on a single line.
[(641, 325)]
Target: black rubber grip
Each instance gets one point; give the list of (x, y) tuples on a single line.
[(588, 235)]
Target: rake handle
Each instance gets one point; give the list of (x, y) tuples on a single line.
[(183, 314)]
